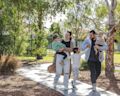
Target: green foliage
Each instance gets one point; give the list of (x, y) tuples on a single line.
[(101, 11), (84, 65), (55, 28), (23, 18), (117, 36), (40, 52)]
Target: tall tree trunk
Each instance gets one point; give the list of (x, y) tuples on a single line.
[(110, 52), (109, 70)]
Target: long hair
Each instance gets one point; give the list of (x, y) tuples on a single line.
[(70, 34)]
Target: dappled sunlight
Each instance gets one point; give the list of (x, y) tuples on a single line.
[(43, 77)]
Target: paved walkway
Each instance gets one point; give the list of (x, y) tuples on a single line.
[(39, 74)]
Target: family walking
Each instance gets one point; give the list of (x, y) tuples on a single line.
[(68, 54)]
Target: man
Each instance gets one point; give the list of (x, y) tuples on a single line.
[(94, 60)]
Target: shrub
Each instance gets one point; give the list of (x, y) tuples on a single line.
[(40, 52), (8, 65), (84, 65)]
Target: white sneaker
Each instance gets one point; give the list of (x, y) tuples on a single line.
[(94, 86), (54, 84), (65, 88)]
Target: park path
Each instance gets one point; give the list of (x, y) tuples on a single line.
[(39, 74)]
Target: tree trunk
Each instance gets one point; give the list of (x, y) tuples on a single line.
[(110, 41), (109, 70)]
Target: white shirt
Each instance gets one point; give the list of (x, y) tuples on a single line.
[(75, 60)]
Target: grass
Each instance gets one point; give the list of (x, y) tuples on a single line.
[(26, 58), (117, 58), (46, 59), (49, 58)]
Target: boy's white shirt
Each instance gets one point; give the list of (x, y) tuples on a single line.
[(75, 57)]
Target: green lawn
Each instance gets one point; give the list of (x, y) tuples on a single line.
[(117, 58), (49, 58)]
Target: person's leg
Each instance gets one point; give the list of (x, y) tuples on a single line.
[(58, 68), (66, 72), (98, 69), (93, 74), (75, 75), (64, 57), (92, 71), (63, 53)]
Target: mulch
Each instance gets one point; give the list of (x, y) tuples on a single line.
[(102, 82), (20, 86)]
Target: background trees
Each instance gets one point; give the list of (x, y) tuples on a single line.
[(23, 29)]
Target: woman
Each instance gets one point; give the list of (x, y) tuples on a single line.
[(66, 66)]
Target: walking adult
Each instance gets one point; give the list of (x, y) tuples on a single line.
[(94, 60), (66, 66)]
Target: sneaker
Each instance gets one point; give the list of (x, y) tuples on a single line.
[(54, 84), (94, 86), (73, 85), (55, 87), (66, 88), (94, 93)]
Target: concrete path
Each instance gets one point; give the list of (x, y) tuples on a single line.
[(39, 74)]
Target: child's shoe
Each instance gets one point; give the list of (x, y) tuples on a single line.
[(73, 85)]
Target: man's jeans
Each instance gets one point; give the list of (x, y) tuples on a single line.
[(95, 69)]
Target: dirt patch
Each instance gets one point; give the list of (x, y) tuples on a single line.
[(20, 86)]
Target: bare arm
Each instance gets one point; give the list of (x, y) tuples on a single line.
[(68, 49)]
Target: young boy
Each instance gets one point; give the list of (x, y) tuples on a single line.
[(58, 47), (75, 65)]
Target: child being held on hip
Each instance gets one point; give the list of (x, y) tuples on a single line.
[(59, 47), (100, 40)]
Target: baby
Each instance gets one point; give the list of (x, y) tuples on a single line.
[(59, 47), (100, 41)]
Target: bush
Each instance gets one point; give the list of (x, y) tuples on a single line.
[(40, 52), (84, 65), (8, 65)]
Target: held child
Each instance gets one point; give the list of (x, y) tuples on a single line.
[(99, 42), (59, 47)]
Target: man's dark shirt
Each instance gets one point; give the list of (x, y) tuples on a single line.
[(93, 57)]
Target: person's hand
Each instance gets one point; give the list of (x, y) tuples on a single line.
[(78, 50), (96, 46), (62, 49), (88, 46), (68, 49)]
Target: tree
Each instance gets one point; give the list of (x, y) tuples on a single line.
[(109, 70)]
